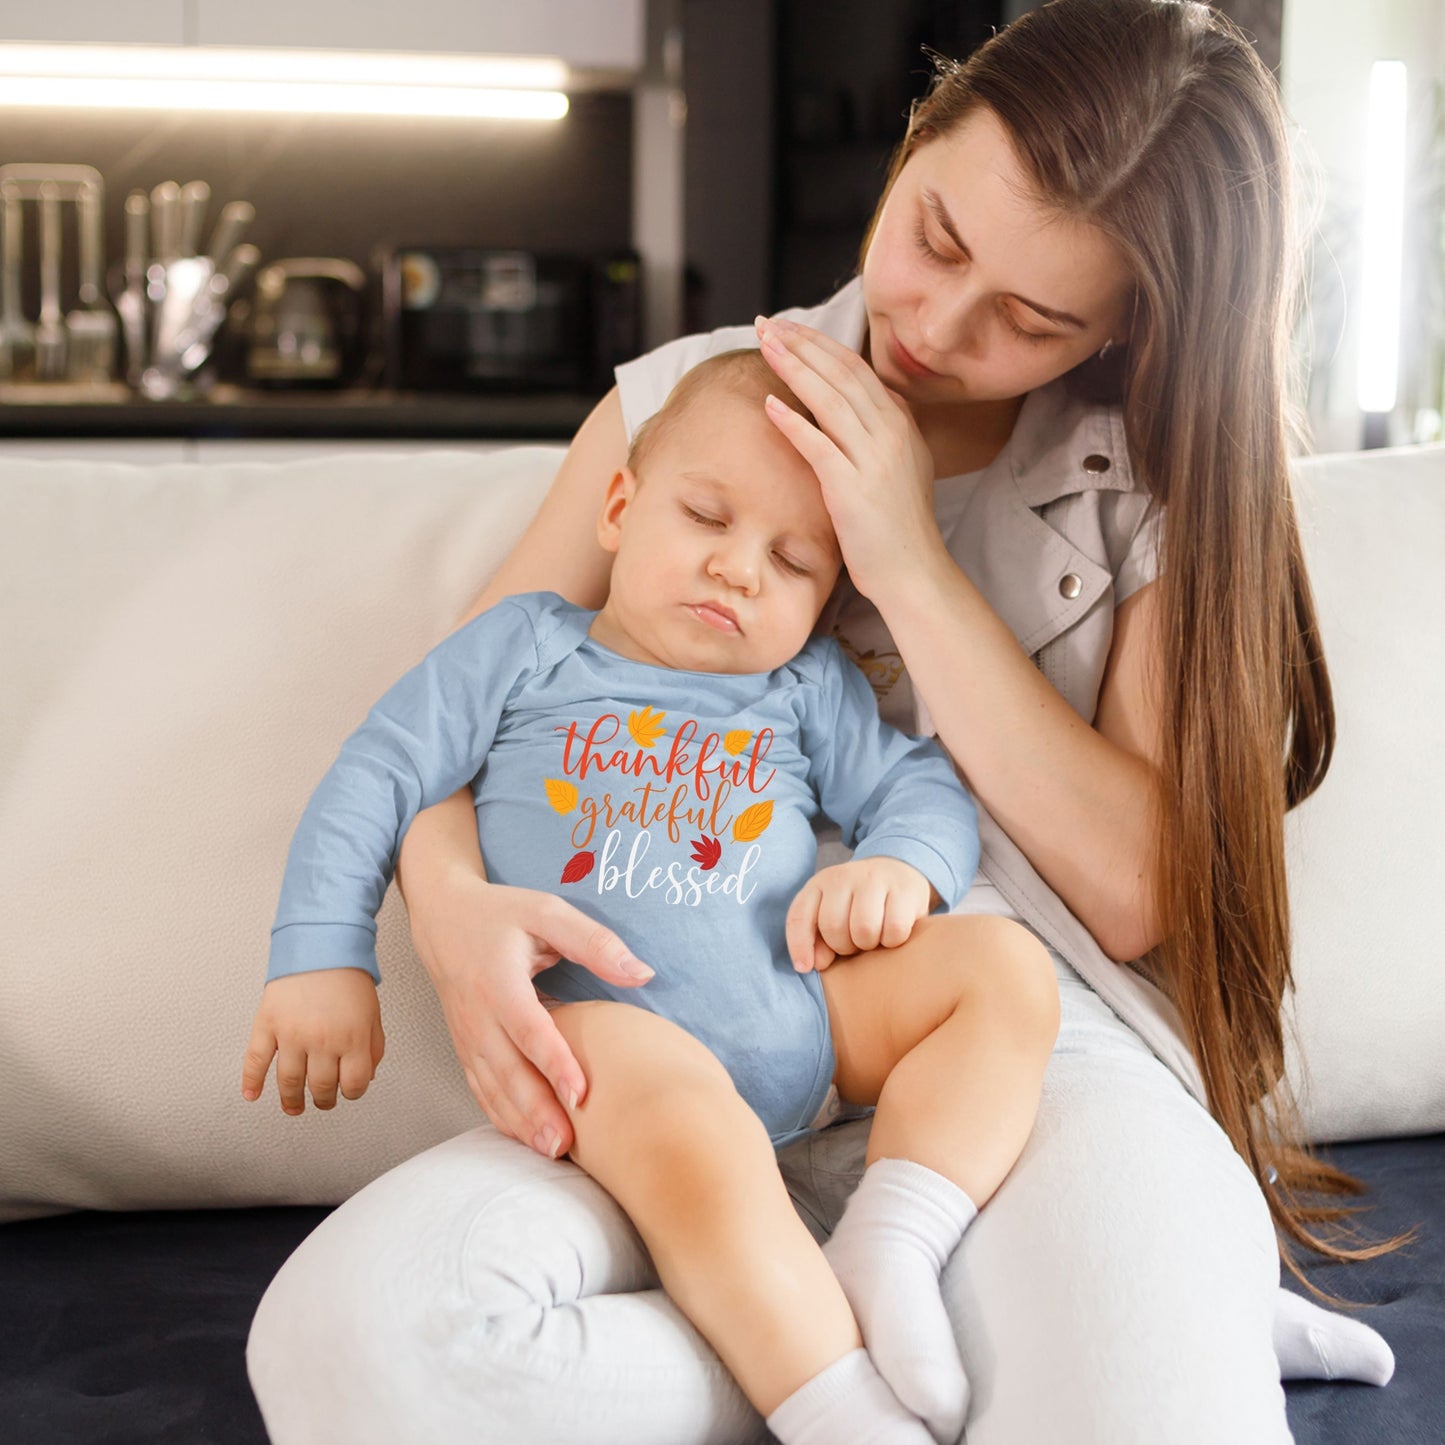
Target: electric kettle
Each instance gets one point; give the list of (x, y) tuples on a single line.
[(305, 326)]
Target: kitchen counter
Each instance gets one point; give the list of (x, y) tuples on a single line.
[(73, 411)]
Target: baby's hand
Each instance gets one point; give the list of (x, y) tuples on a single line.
[(323, 1029), (863, 904)]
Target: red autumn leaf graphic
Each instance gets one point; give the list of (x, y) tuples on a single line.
[(579, 865), (706, 852)]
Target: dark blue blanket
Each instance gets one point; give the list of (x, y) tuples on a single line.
[(118, 1329)]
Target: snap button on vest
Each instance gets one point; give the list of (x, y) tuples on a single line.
[(1070, 585), (1095, 463)]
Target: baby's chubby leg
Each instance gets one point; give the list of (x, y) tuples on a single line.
[(949, 1035), (665, 1132)]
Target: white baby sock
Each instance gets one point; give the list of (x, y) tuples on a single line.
[(896, 1234), (1314, 1344), (849, 1403)]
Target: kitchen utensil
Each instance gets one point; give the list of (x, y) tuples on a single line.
[(238, 268), (195, 297), (224, 285), (51, 186), (235, 217), (91, 323), (29, 176), (306, 324), (195, 197), (17, 335), (131, 302), (165, 222), (180, 284), (174, 298), (50, 333)]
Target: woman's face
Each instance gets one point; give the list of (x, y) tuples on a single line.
[(975, 291)]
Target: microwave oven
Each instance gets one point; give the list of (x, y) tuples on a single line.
[(461, 318)]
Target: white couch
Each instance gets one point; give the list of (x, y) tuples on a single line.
[(185, 646)]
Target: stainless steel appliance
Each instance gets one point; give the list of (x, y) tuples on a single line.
[(465, 318), (306, 325)]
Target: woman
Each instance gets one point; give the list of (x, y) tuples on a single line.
[(1052, 441)]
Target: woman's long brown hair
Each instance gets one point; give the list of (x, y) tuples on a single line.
[(1155, 121)]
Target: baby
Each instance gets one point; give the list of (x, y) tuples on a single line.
[(660, 764)]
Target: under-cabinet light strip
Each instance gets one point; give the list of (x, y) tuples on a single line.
[(216, 78)]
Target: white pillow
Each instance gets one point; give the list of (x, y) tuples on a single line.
[(185, 648), (1366, 857)]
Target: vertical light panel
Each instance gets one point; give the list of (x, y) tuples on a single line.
[(1384, 220)]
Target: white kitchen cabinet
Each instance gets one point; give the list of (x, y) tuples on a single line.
[(587, 34), (137, 22), (590, 35)]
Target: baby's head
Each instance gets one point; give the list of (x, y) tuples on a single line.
[(725, 551)]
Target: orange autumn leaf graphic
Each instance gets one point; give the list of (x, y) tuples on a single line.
[(752, 822), (562, 796), (735, 741), (645, 726), (706, 852), (579, 865)]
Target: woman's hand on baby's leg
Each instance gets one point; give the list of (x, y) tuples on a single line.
[(323, 1029), (482, 945), (855, 907)]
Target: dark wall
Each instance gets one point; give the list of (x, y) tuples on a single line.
[(847, 71), (728, 64), (339, 186), (793, 109)]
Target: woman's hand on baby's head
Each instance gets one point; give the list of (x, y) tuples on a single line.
[(872, 462), (324, 1031), (854, 907)]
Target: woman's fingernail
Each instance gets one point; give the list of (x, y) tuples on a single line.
[(635, 968), (761, 322), (569, 1096), (549, 1141)]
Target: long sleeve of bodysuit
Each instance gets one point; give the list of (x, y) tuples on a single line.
[(891, 795), (425, 738)]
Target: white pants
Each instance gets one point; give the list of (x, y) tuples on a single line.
[(1118, 1288)]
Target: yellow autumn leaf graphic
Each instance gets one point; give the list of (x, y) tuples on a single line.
[(735, 741), (562, 796), (752, 822), (645, 726)]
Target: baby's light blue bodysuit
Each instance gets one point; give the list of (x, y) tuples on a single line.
[(675, 807)]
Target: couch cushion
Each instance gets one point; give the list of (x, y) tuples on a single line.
[(186, 647), (1367, 861)]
